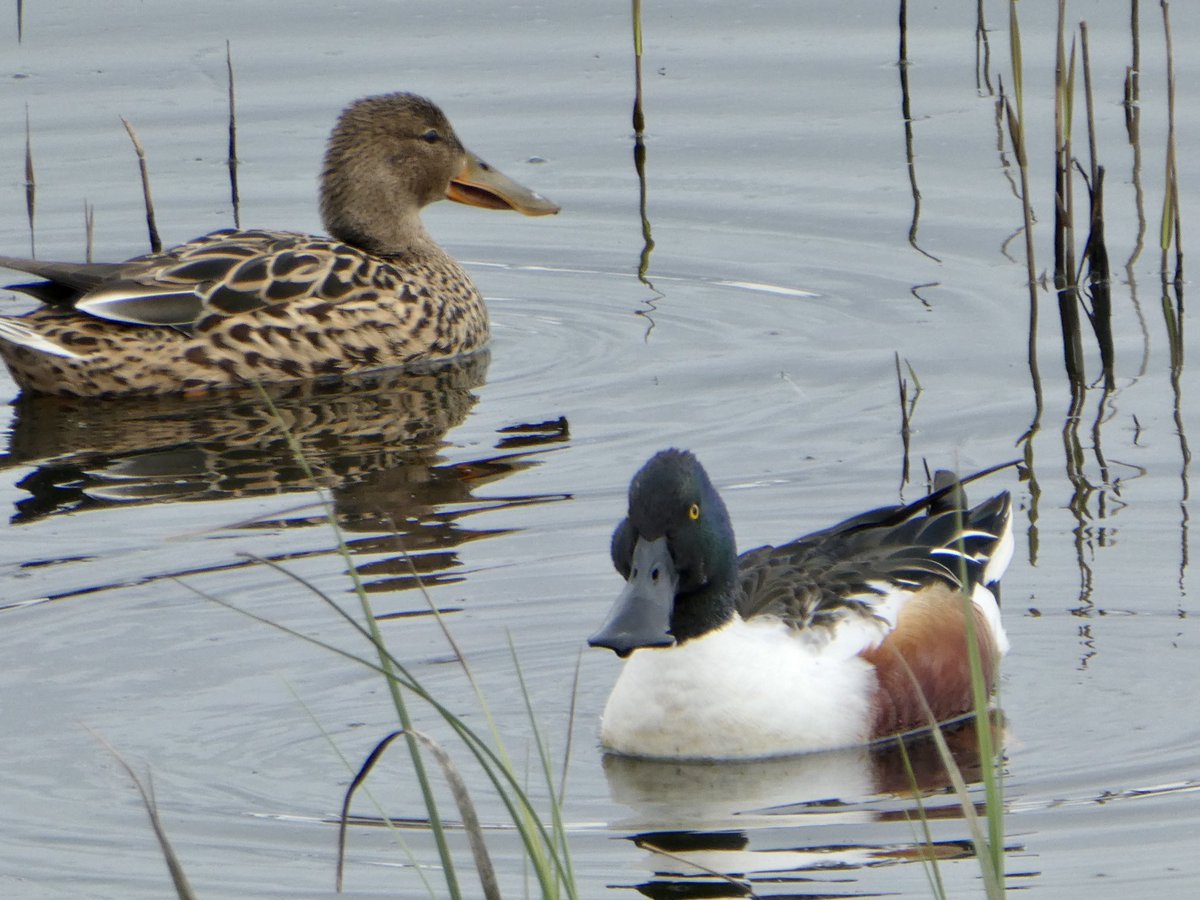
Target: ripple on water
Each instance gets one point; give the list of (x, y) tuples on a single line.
[(647, 368), (767, 345)]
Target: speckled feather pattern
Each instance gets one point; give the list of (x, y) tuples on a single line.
[(235, 307), (298, 307)]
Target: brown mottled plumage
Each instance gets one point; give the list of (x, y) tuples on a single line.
[(234, 307)]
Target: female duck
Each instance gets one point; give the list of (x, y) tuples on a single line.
[(240, 306), (806, 646)]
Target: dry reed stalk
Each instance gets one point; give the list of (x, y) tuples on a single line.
[(906, 115), (89, 230), (30, 184), (1099, 275), (983, 60), (1064, 226), (151, 226), (639, 147), (233, 159), (1172, 226)]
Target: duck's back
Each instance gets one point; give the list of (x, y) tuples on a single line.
[(843, 571), (236, 307), (894, 585)]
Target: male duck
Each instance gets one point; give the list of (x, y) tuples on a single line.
[(799, 647), (238, 306)]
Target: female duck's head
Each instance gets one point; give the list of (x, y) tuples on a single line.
[(389, 156)]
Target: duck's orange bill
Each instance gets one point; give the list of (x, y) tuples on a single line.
[(478, 184)]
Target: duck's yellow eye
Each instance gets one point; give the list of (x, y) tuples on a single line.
[(694, 511)]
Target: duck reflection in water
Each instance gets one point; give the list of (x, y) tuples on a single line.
[(372, 441), (742, 824)]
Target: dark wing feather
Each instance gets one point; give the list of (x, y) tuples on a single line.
[(834, 573), (223, 273), (64, 280)]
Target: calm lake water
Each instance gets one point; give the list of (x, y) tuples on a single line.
[(790, 266)]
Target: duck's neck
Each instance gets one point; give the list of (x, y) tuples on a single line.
[(404, 236), (703, 610), (376, 214)]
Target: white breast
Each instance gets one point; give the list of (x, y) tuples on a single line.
[(748, 689)]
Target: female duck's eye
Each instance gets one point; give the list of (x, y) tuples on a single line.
[(694, 511), (431, 136)]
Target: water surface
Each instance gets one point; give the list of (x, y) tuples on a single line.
[(786, 275)]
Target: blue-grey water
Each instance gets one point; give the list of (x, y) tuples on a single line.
[(791, 264)]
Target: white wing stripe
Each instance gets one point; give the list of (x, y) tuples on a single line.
[(14, 332)]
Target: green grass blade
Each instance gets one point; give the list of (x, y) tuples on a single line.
[(929, 861), (546, 848), (385, 659), (559, 833), (993, 887), (178, 877), (462, 798)]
